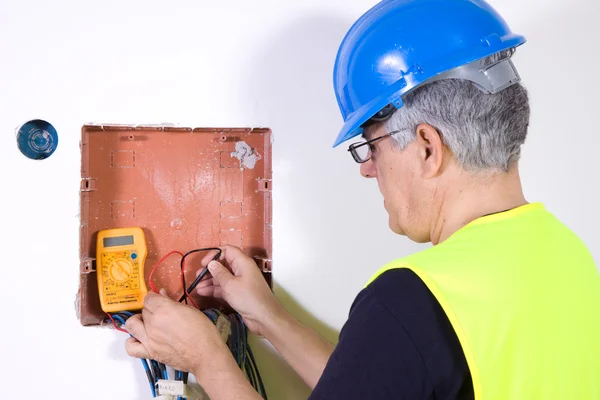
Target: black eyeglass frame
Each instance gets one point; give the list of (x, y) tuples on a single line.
[(354, 146)]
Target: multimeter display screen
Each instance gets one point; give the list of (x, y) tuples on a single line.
[(118, 241)]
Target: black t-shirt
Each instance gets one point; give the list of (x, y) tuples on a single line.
[(397, 344)]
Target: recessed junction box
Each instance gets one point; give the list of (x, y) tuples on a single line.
[(187, 188)]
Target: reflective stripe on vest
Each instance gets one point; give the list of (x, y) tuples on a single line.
[(522, 293)]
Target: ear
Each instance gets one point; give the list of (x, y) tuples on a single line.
[(431, 150)]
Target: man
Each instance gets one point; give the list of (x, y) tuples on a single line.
[(504, 305)]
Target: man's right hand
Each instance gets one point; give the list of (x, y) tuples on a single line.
[(242, 286)]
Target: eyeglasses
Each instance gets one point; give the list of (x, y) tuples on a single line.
[(362, 151)]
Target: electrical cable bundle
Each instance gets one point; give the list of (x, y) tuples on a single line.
[(239, 347), (154, 370), (231, 327)]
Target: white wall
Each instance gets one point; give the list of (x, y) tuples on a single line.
[(237, 63)]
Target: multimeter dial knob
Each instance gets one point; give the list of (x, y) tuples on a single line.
[(120, 270)]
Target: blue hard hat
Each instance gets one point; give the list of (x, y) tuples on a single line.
[(399, 45)]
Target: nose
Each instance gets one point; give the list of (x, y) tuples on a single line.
[(368, 170)]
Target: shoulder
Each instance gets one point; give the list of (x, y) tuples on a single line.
[(400, 290), (375, 358), (409, 302)]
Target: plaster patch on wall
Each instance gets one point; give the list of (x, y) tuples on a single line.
[(246, 155)]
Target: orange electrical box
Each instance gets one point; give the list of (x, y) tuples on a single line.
[(185, 188)]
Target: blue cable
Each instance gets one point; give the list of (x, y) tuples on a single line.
[(240, 348), (238, 345), (244, 337), (121, 320), (144, 362), (178, 377), (147, 369), (261, 386)]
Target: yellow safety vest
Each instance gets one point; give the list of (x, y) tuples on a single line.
[(523, 295)]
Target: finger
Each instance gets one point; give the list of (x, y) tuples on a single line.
[(236, 259), (220, 274), (136, 328), (230, 253), (199, 271), (205, 291), (212, 291), (146, 317), (163, 292), (208, 258), (218, 293), (152, 301), (136, 349), (206, 282)]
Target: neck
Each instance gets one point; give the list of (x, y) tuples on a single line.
[(471, 197)]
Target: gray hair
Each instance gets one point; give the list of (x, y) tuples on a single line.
[(483, 131)]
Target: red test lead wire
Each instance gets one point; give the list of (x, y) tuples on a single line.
[(152, 287), (115, 324), (151, 283)]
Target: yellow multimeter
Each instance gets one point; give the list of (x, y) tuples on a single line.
[(120, 256)]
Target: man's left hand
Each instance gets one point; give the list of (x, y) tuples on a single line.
[(176, 335)]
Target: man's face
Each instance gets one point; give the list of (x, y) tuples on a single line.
[(399, 179)]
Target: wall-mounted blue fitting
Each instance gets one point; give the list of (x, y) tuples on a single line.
[(37, 139)]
